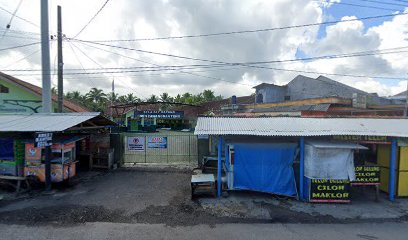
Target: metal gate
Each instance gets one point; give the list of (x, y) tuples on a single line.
[(165, 147)]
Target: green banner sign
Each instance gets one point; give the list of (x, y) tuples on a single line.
[(329, 190), (367, 175)]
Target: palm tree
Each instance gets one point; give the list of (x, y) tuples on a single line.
[(54, 91), (112, 97), (165, 97), (153, 98), (130, 98), (75, 95), (208, 95), (178, 99), (96, 95)]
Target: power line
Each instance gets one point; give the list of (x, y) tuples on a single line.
[(233, 63), (21, 59), (96, 14), (19, 46), (20, 31), (193, 66), (321, 73), (193, 74), (198, 66), (80, 63), (384, 3), (361, 6), (86, 55), (23, 19), (11, 19), (400, 1), (250, 31)]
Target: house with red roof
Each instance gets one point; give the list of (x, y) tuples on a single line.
[(18, 96)]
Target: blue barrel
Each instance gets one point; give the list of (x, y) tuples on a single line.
[(234, 100)]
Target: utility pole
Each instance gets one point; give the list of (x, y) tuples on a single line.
[(60, 65), (46, 82), (113, 94), (406, 102), (45, 58)]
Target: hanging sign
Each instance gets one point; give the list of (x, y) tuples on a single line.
[(136, 144), (159, 114), (202, 136), (43, 140), (157, 142), (363, 139), (329, 190), (367, 175)]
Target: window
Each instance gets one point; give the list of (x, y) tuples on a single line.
[(259, 98), (287, 98), (3, 89)]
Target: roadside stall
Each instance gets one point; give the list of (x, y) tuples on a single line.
[(262, 167), (326, 169), (329, 169), (45, 141), (11, 157), (63, 160)]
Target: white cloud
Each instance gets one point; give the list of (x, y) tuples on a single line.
[(126, 19)]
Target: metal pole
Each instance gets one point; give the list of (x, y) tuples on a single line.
[(393, 161), (406, 102), (48, 168), (45, 59), (60, 65), (301, 167), (113, 94), (219, 169)]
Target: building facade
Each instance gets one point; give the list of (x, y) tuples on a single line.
[(18, 96)]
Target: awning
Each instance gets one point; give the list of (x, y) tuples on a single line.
[(335, 145), (52, 122)]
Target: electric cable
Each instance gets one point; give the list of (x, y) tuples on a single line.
[(96, 14), (251, 31)]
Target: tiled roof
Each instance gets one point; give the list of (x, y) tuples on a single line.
[(68, 104), (401, 94)]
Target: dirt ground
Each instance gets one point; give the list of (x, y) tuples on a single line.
[(162, 196)]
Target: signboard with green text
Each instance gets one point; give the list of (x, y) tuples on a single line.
[(329, 190), (367, 175)]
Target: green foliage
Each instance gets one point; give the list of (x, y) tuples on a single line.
[(97, 100)]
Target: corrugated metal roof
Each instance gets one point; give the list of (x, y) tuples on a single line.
[(286, 126), (316, 107), (43, 122)]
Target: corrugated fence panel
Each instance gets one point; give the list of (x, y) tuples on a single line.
[(181, 148)]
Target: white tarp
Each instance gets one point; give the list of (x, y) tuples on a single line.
[(329, 163)]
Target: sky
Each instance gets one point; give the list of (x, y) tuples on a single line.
[(92, 59)]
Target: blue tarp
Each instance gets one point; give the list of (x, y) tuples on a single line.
[(6, 149), (265, 168)]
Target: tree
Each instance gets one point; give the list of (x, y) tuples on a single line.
[(165, 97), (153, 98), (96, 95), (208, 95), (178, 99), (75, 95), (112, 97), (130, 98), (54, 91)]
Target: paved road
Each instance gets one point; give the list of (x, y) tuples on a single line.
[(118, 231)]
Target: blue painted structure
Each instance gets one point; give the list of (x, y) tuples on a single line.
[(301, 167), (393, 162), (219, 169)]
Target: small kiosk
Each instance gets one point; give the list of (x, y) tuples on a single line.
[(63, 160), (329, 169)]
